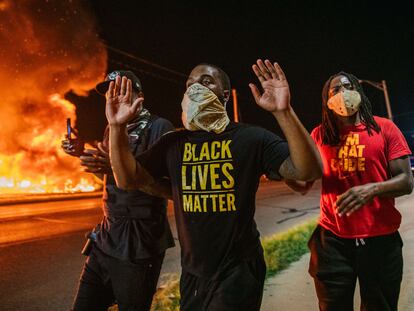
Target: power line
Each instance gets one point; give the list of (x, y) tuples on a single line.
[(146, 72), (147, 62)]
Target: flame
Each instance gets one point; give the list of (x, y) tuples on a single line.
[(47, 49)]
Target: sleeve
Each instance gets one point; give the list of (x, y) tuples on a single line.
[(154, 159), (316, 135), (275, 152), (158, 128), (396, 144)]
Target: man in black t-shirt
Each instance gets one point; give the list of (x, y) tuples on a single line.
[(214, 167), (124, 263)]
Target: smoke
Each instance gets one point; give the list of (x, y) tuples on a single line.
[(47, 48)]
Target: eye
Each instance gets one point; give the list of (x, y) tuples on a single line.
[(348, 86), (207, 81)]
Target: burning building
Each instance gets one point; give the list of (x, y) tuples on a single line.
[(47, 48)]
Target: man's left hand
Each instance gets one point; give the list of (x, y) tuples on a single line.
[(354, 199), (96, 161), (276, 94)]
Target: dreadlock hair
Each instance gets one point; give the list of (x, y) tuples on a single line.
[(330, 129)]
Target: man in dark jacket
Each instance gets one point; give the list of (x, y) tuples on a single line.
[(129, 245)]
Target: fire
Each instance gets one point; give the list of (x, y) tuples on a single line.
[(47, 49)]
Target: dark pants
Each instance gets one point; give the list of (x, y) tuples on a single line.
[(240, 288), (336, 263), (106, 280)]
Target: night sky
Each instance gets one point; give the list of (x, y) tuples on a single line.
[(311, 40)]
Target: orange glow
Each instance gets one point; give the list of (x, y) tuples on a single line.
[(48, 49)]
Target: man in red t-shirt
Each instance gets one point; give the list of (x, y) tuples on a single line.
[(365, 166)]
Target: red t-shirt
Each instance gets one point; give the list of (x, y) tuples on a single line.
[(360, 159)]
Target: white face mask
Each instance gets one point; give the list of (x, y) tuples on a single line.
[(202, 110), (345, 103)]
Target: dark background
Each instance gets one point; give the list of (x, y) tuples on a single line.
[(311, 40)]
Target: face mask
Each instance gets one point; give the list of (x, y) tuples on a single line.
[(202, 110), (345, 103)]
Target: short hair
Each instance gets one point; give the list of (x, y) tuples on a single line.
[(224, 77)]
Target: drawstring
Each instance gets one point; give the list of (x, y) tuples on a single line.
[(362, 241)]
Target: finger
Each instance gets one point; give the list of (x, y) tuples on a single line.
[(92, 164), (91, 151), (342, 197), (271, 69), (128, 93), (117, 85), (255, 92), (258, 73), (263, 69), (87, 158), (92, 170), (354, 209), (123, 85), (340, 207), (137, 105), (351, 205), (279, 72), (110, 92), (102, 150)]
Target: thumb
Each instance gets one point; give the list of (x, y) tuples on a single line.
[(102, 149), (255, 92), (137, 104)]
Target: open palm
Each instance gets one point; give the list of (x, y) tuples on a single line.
[(276, 94), (119, 106)]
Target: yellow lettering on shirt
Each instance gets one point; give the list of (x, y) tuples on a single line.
[(207, 178), (350, 156)]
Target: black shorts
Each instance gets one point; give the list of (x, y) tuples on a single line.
[(240, 288), (106, 280)]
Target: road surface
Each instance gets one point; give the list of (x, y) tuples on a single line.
[(40, 251)]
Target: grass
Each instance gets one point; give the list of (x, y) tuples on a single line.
[(280, 251)]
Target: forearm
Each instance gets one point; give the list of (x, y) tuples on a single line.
[(396, 186), (303, 152), (123, 163), (159, 188)]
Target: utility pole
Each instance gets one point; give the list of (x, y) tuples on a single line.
[(382, 86), (235, 106)]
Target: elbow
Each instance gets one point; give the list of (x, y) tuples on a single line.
[(410, 185), (314, 173), (126, 184)]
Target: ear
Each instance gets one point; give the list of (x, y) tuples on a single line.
[(226, 96)]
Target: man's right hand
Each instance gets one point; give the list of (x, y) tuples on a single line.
[(119, 105), (73, 147)]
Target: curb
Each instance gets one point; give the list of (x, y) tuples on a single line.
[(38, 198)]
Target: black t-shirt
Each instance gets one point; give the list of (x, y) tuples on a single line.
[(214, 180), (135, 224)]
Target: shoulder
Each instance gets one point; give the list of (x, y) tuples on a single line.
[(386, 125), (160, 122), (316, 133), (382, 121)]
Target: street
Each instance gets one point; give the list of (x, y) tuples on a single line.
[(40, 254)]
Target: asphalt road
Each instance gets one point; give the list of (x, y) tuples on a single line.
[(40, 258)]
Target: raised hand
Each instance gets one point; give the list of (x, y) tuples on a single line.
[(276, 94), (120, 106)]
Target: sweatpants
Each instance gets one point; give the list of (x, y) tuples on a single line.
[(336, 263)]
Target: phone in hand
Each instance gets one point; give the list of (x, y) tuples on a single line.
[(69, 129)]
